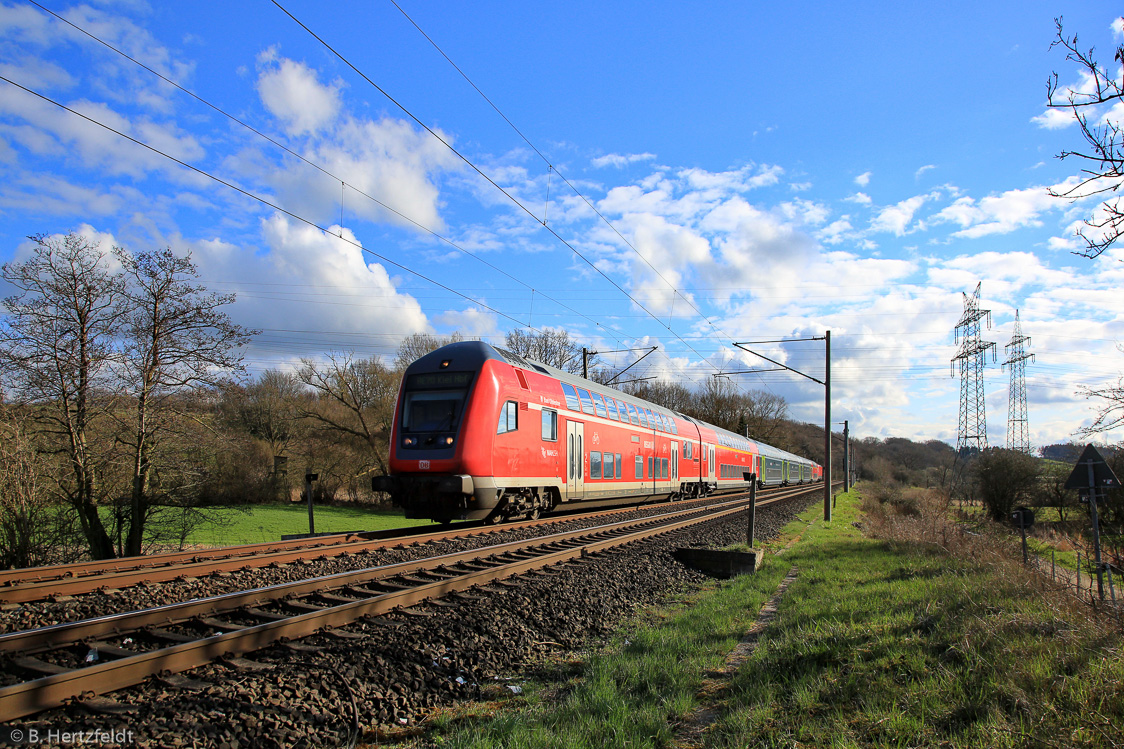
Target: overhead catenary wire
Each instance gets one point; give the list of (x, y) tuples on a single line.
[(468, 162), (343, 183), (550, 165), (263, 201)]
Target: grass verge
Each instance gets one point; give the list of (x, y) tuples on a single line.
[(879, 642), (256, 523)]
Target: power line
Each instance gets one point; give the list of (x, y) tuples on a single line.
[(309, 162), (485, 176)]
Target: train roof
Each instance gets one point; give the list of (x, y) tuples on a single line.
[(475, 353)]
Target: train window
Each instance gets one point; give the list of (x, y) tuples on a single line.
[(638, 469), (620, 467), (550, 425), (652, 472), (663, 468), (571, 397), (643, 417), (653, 423), (587, 402), (674, 426), (599, 406), (609, 466), (594, 464), (509, 418), (623, 410), (612, 405), (632, 415)]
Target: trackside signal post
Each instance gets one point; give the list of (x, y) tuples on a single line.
[(1090, 475), (826, 382)]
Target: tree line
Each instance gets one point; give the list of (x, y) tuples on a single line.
[(127, 416)]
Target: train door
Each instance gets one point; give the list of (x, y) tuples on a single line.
[(575, 459), (674, 465)]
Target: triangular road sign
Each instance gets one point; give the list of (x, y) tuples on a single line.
[(1103, 477)]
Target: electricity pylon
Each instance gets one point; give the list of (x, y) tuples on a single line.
[(971, 433), (1018, 432)]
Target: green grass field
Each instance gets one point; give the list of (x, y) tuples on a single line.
[(256, 523), (876, 644)]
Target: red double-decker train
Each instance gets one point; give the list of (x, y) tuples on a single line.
[(482, 433)]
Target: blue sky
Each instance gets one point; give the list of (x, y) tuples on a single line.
[(761, 171)]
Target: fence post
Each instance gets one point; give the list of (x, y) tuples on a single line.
[(1079, 574), (1112, 592)]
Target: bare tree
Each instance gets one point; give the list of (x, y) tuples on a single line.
[(1109, 402), (1104, 159), (764, 414), (716, 403), (267, 408), (34, 529), (56, 347), (551, 347), (416, 346), (355, 401), (177, 340), (1004, 479)]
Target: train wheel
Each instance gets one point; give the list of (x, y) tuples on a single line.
[(533, 514)]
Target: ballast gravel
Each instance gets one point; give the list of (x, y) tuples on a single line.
[(391, 671)]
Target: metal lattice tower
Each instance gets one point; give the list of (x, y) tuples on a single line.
[(971, 434), (1018, 433)]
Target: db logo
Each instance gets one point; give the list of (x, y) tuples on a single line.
[(423, 465)]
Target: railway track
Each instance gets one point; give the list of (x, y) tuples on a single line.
[(40, 583), (75, 661)]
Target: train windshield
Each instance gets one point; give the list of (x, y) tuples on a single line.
[(434, 402)]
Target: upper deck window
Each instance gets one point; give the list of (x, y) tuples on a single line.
[(599, 406), (612, 404), (571, 397), (587, 402), (632, 415)]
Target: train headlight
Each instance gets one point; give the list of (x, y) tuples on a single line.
[(408, 441), (448, 440)]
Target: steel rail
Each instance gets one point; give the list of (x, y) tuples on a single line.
[(35, 584), (56, 635), (52, 691)]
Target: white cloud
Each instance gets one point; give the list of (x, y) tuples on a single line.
[(863, 179), (364, 297), (860, 197), (1054, 119), (388, 160), (619, 160), (56, 132), (998, 214), (922, 170), (292, 92), (896, 218)]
